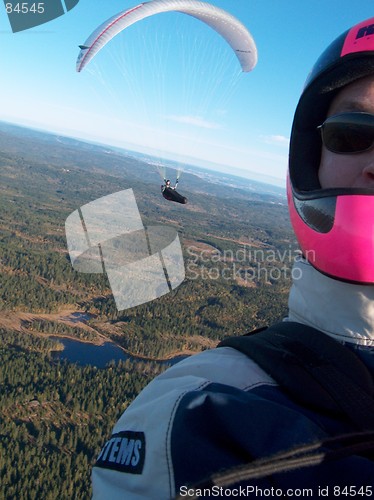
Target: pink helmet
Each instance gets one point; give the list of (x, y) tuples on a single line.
[(334, 227)]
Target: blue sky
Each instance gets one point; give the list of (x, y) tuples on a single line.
[(170, 83)]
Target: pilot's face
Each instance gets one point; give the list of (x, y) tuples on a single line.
[(354, 170)]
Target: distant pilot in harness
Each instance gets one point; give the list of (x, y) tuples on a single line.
[(169, 192)]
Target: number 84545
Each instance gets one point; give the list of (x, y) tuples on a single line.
[(25, 8)]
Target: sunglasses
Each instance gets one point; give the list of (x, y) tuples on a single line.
[(348, 133)]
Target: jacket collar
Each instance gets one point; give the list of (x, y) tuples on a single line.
[(342, 310)]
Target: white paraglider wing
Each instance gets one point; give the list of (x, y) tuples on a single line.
[(230, 28)]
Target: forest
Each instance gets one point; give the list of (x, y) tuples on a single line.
[(54, 416)]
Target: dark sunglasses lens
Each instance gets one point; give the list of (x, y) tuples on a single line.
[(348, 136)]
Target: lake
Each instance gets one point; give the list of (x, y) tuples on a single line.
[(84, 353)]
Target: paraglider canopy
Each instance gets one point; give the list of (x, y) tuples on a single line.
[(230, 28)]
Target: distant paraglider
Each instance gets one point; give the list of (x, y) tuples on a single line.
[(226, 25), (230, 28), (171, 194)]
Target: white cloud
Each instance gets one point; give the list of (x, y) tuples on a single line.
[(280, 140), (195, 121)]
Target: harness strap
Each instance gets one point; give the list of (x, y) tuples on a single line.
[(316, 370), (307, 455)]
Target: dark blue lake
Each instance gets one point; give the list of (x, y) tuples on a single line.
[(84, 354)]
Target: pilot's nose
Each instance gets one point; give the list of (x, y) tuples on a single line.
[(368, 170)]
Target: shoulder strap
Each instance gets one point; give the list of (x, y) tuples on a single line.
[(316, 370)]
